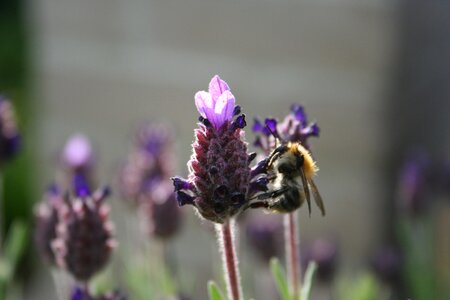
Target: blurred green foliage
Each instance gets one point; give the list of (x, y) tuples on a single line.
[(17, 190)]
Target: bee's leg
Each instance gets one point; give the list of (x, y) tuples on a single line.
[(275, 154), (261, 199), (272, 194)]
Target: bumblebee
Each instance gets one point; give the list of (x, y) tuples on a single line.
[(290, 170)]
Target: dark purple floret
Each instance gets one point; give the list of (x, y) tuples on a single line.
[(10, 140), (293, 128), (81, 186), (387, 264), (325, 254), (79, 293), (46, 220), (219, 179), (84, 240), (265, 235)]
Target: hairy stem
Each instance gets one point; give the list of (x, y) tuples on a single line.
[(292, 248), (225, 234)]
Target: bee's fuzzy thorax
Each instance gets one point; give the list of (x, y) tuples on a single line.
[(309, 165)]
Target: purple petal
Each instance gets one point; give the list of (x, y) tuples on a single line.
[(183, 198), (239, 122), (272, 126), (78, 151), (299, 112), (81, 186), (203, 102), (181, 184), (257, 126), (224, 108), (217, 87)]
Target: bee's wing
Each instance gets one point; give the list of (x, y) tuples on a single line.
[(317, 197), (306, 190)]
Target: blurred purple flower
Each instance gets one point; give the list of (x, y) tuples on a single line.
[(220, 175), (79, 293), (9, 134), (46, 220), (149, 164), (325, 254), (265, 235), (293, 128), (413, 186), (145, 180), (387, 264), (163, 217), (84, 240)]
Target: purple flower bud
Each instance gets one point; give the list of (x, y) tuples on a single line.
[(9, 134), (387, 264), (84, 239), (265, 235), (219, 167), (46, 220), (324, 253)]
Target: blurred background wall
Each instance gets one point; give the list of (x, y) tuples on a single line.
[(101, 67)]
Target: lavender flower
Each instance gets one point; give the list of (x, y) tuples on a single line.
[(9, 134), (46, 220), (412, 188), (219, 168), (324, 253), (265, 235), (84, 234), (145, 180), (293, 128), (387, 264), (149, 164)]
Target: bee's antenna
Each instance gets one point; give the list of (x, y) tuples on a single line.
[(275, 135)]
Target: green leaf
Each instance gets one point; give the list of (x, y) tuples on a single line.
[(280, 278), (307, 283), (13, 249), (214, 291)]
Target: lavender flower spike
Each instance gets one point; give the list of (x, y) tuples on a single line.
[(220, 177)]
